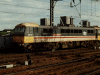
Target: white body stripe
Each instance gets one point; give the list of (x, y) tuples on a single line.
[(62, 38)]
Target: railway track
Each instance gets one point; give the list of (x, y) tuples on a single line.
[(54, 67), (71, 62)]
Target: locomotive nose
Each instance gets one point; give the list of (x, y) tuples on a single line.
[(23, 39)]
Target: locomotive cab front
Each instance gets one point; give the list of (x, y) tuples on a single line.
[(24, 33)]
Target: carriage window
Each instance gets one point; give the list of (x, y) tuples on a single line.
[(75, 31), (67, 30), (62, 31), (71, 30), (50, 30), (45, 30), (91, 31), (80, 31)]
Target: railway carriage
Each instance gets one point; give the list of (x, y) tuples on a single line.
[(32, 36)]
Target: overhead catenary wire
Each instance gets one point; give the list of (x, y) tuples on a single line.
[(35, 7), (75, 5), (61, 11), (22, 6), (28, 7), (91, 7), (38, 15)]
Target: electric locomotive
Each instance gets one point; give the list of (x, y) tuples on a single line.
[(32, 37)]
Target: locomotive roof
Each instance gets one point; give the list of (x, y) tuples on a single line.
[(52, 27), (65, 27), (27, 25), (77, 27), (97, 28)]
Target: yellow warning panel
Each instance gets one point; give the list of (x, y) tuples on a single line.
[(28, 39), (23, 39)]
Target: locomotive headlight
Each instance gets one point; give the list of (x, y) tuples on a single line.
[(23, 44)]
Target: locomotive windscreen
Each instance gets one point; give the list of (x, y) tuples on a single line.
[(19, 29)]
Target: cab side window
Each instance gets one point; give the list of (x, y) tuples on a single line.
[(27, 30), (31, 30)]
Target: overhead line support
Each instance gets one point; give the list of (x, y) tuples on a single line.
[(52, 5), (51, 12)]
